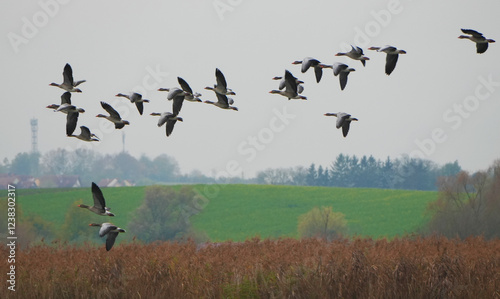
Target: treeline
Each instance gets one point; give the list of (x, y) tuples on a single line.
[(344, 171), (367, 172), (93, 166)]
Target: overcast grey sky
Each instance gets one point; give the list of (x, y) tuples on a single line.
[(440, 103)]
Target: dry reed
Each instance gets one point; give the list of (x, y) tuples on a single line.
[(287, 268)]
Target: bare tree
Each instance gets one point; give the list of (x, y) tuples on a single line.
[(468, 205)]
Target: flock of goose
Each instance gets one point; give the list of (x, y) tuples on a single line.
[(175, 94), (289, 87)]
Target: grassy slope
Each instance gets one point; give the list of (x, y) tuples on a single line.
[(238, 212)]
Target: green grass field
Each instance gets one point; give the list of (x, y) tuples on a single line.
[(239, 212)]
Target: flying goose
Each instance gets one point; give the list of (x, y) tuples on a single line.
[(392, 56), (85, 135), (68, 83), (291, 88), (340, 69), (221, 86), (478, 38), (135, 98), (223, 102), (169, 118), (113, 117), (343, 120), (108, 229), (99, 206), (356, 53), (309, 62)]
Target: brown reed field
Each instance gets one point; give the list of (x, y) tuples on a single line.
[(407, 267)]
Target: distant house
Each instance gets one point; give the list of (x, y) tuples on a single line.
[(114, 183), (59, 181), (20, 181)]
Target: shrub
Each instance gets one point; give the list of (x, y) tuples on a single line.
[(323, 223)]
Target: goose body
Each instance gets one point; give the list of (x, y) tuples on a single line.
[(135, 98), (113, 116), (477, 37), (68, 83), (99, 206), (392, 56), (169, 118), (309, 62), (108, 229), (85, 135), (343, 121), (221, 86), (356, 53)]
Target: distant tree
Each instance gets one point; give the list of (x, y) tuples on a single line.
[(163, 169), (449, 169), (5, 166), (57, 162), (85, 163), (299, 176), (312, 175), (127, 167), (354, 172), (322, 223), (416, 174), (164, 214), (387, 174), (340, 171), (322, 177), (361, 179), (277, 176), (25, 164), (373, 172), (195, 176)]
